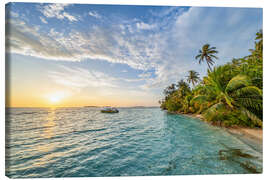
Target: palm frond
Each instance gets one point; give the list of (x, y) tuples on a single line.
[(213, 56), (249, 97), (237, 82), (212, 52), (212, 112), (199, 55), (199, 99), (212, 48), (252, 116)]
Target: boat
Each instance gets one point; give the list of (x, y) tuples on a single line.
[(109, 110)]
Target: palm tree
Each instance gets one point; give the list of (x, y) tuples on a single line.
[(259, 35), (207, 53), (257, 52), (183, 88), (181, 84), (237, 93), (193, 77), (170, 89)]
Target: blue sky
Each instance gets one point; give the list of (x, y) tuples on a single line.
[(124, 55)]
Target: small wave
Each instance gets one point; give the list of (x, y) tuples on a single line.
[(32, 129), (23, 113), (27, 113), (88, 130)]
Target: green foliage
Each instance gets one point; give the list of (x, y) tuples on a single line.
[(229, 95)]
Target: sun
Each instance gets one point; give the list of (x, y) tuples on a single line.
[(55, 99)]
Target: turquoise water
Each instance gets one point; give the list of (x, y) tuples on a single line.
[(81, 142)]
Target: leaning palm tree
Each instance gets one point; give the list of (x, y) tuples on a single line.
[(237, 93), (193, 77), (207, 53)]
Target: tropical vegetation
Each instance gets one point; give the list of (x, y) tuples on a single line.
[(230, 94)]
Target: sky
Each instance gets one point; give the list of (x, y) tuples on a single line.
[(99, 55)]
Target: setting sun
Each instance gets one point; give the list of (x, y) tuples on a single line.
[(55, 99)]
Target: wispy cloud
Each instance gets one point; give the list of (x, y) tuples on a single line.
[(14, 14), (80, 78), (43, 20), (94, 14), (57, 11), (25, 39), (166, 11), (144, 26), (75, 80)]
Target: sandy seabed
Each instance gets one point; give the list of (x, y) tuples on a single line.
[(251, 136)]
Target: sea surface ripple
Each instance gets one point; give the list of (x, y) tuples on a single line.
[(82, 142)]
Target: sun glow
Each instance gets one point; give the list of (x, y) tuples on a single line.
[(56, 98)]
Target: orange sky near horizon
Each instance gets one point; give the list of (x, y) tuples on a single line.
[(75, 100)]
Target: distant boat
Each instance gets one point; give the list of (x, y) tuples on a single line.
[(109, 110)]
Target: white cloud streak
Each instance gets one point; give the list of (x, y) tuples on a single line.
[(57, 11), (43, 20), (79, 78), (144, 26), (94, 14)]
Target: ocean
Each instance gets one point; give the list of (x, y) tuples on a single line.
[(83, 142)]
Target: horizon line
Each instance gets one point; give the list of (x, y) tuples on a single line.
[(72, 106)]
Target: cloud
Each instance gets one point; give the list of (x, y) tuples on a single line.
[(43, 20), (144, 26), (57, 11), (168, 53), (75, 80), (94, 14), (69, 17), (24, 39), (55, 34), (78, 78), (145, 75), (137, 51), (166, 11), (14, 14)]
